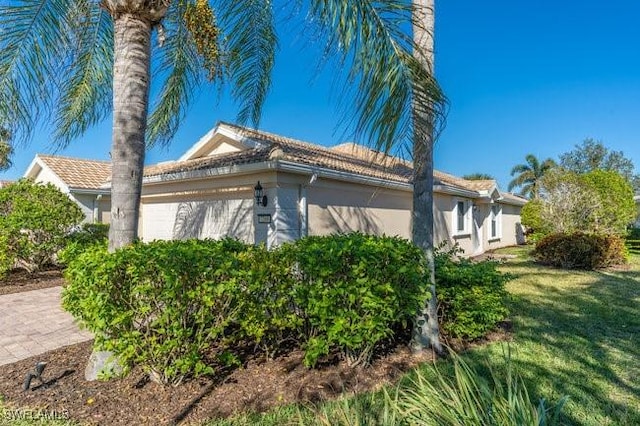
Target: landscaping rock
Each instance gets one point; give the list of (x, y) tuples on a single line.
[(102, 364)]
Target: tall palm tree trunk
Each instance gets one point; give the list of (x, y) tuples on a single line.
[(426, 331), (131, 77)]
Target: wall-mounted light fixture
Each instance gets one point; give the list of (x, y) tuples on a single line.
[(258, 193)]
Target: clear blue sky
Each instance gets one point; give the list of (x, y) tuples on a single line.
[(522, 77)]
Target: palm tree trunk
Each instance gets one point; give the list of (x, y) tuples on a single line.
[(131, 77), (426, 331)]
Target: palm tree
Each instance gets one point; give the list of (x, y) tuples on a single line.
[(79, 60), (6, 150), (426, 331), (478, 176), (529, 175)]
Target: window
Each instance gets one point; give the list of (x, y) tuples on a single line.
[(496, 216), (460, 220), (462, 217)]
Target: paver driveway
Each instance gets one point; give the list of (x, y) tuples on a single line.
[(33, 322)]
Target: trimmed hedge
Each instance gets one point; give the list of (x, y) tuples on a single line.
[(580, 251), (163, 304), (170, 306), (355, 290), (471, 295)]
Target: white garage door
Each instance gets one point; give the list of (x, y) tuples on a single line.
[(211, 218)]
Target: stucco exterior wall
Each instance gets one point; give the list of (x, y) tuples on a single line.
[(342, 207), (511, 228), (47, 176)]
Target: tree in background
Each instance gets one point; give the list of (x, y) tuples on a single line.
[(478, 176), (79, 60), (598, 202), (593, 155), (6, 149), (528, 175)]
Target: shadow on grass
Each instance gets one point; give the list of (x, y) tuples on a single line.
[(584, 336)]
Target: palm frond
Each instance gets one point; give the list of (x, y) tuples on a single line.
[(34, 39), (86, 93), (6, 151), (250, 45), (182, 68), (384, 77), (520, 168)]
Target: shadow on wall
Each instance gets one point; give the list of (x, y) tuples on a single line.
[(349, 219), (213, 219), (441, 231), (520, 238)]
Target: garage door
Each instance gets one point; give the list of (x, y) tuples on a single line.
[(211, 218)]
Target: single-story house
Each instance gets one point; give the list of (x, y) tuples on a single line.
[(82, 180), (262, 187), (4, 183)]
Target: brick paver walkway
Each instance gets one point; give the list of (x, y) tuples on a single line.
[(33, 322)]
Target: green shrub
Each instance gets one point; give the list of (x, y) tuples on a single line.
[(531, 217), (34, 222), (471, 295), (580, 251), (160, 305), (355, 289), (89, 234), (267, 313)]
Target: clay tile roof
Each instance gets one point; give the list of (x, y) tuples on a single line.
[(287, 149), (508, 196), (347, 157), (78, 173)]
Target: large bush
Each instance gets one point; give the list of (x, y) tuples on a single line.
[(162, 305), (598, 202), (471, 295), (89, 234), (354, 290), (34, 222), (159, 305), (580, 250)]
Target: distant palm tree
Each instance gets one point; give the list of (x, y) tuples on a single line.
[(6, 149), (528, 175), (79, 60), (478, 176)]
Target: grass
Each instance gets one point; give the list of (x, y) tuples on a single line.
[(576, 333)]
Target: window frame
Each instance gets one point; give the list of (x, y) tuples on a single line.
[(495, 217), (465, 217)]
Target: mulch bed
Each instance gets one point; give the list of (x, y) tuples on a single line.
[(257, 386), (19, 281)]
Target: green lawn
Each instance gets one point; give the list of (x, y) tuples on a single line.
[(575, 333), (578, 334)]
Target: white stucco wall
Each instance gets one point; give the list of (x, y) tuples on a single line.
[(342, 207)]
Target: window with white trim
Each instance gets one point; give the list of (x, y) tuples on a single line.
[(462, 217), (496, 221)]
